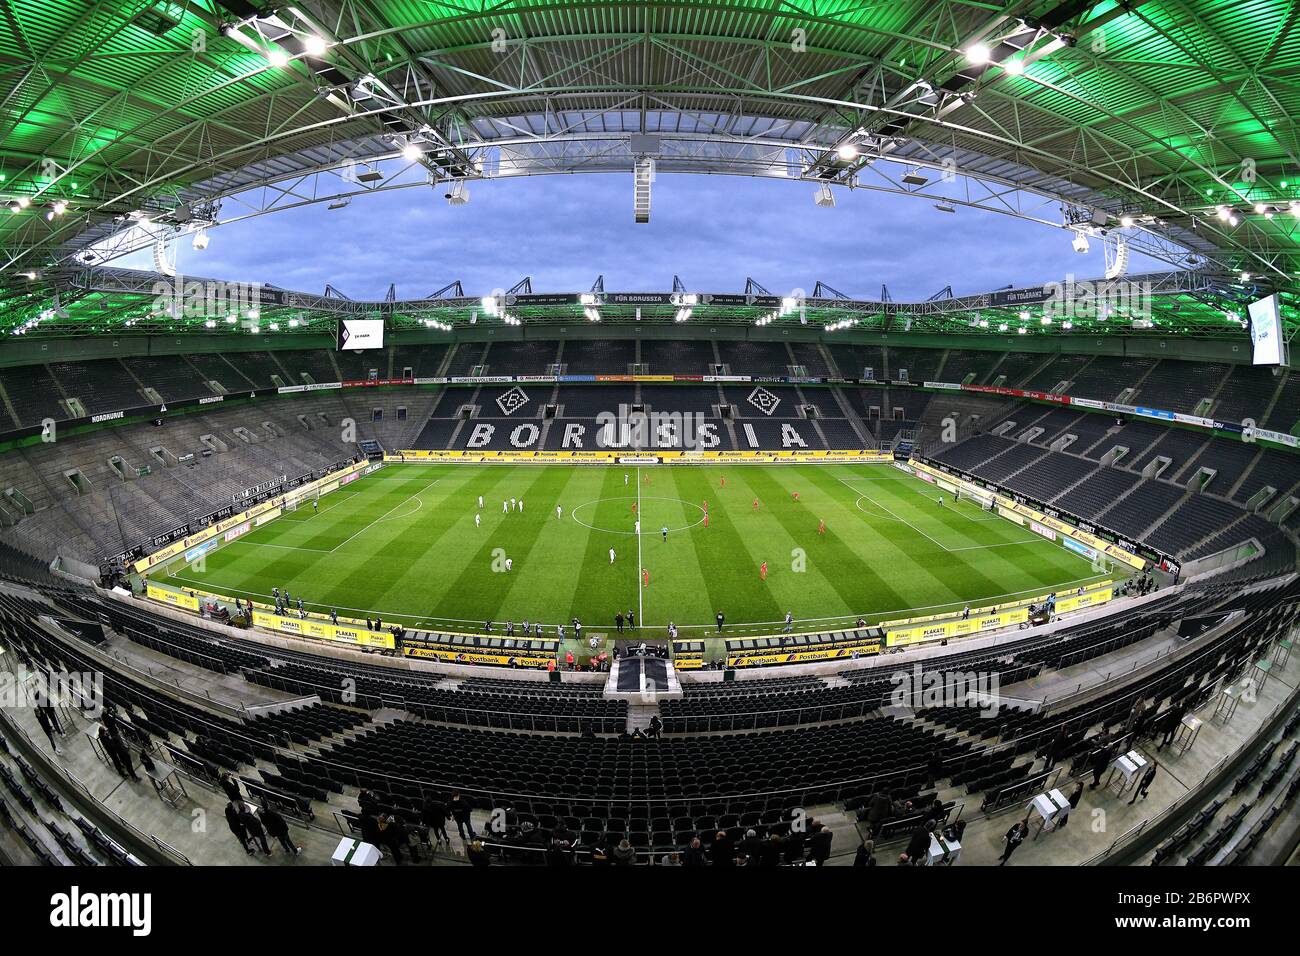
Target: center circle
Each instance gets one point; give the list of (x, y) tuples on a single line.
[(631, 518)]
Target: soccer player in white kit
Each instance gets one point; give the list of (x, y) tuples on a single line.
[(477, 518), (521, 504), (513, 504), (480, 502), (558, 512), (611, 555), (505, 506), (510, 563), (638, 525)]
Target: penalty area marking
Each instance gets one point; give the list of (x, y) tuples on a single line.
[(383, 516), (891, 516)]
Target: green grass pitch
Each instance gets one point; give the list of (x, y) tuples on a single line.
[(403, 543)]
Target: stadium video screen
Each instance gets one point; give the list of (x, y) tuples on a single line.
[(358, 335), (1266, 332)]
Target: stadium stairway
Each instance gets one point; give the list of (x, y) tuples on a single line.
[(639, 714)]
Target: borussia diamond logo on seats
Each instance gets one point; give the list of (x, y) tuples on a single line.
[(511, 401), (764, 400)]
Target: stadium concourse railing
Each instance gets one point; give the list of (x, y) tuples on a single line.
[(162, 851), (443, 713), (794, 796), (1212, 781), (754, 719), (746, 720)]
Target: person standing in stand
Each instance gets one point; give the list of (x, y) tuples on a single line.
[(1015, 836)]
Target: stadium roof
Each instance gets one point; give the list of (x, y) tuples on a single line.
[(1170, 123), (117, 301)]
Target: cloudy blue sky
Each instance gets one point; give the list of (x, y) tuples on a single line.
[(713, 231)]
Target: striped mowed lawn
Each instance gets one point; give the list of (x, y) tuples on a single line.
[(403, 543)]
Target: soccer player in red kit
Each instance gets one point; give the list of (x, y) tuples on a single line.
[(762, 572), (755, 504), (645, 576), (706, 505), (706, 519), (821, 527), (724, 481), (795, 495)]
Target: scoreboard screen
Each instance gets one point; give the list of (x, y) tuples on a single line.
[(358, 335)]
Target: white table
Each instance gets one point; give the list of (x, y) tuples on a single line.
[(1051, 807), (1188, 729), (1129, 766), (352, 852), (934, 856)]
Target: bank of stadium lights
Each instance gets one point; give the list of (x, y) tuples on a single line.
[(685, 303), (982, 54), (30, 324), (412, 152), (435, 324), (789, 304), (495, 305)]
